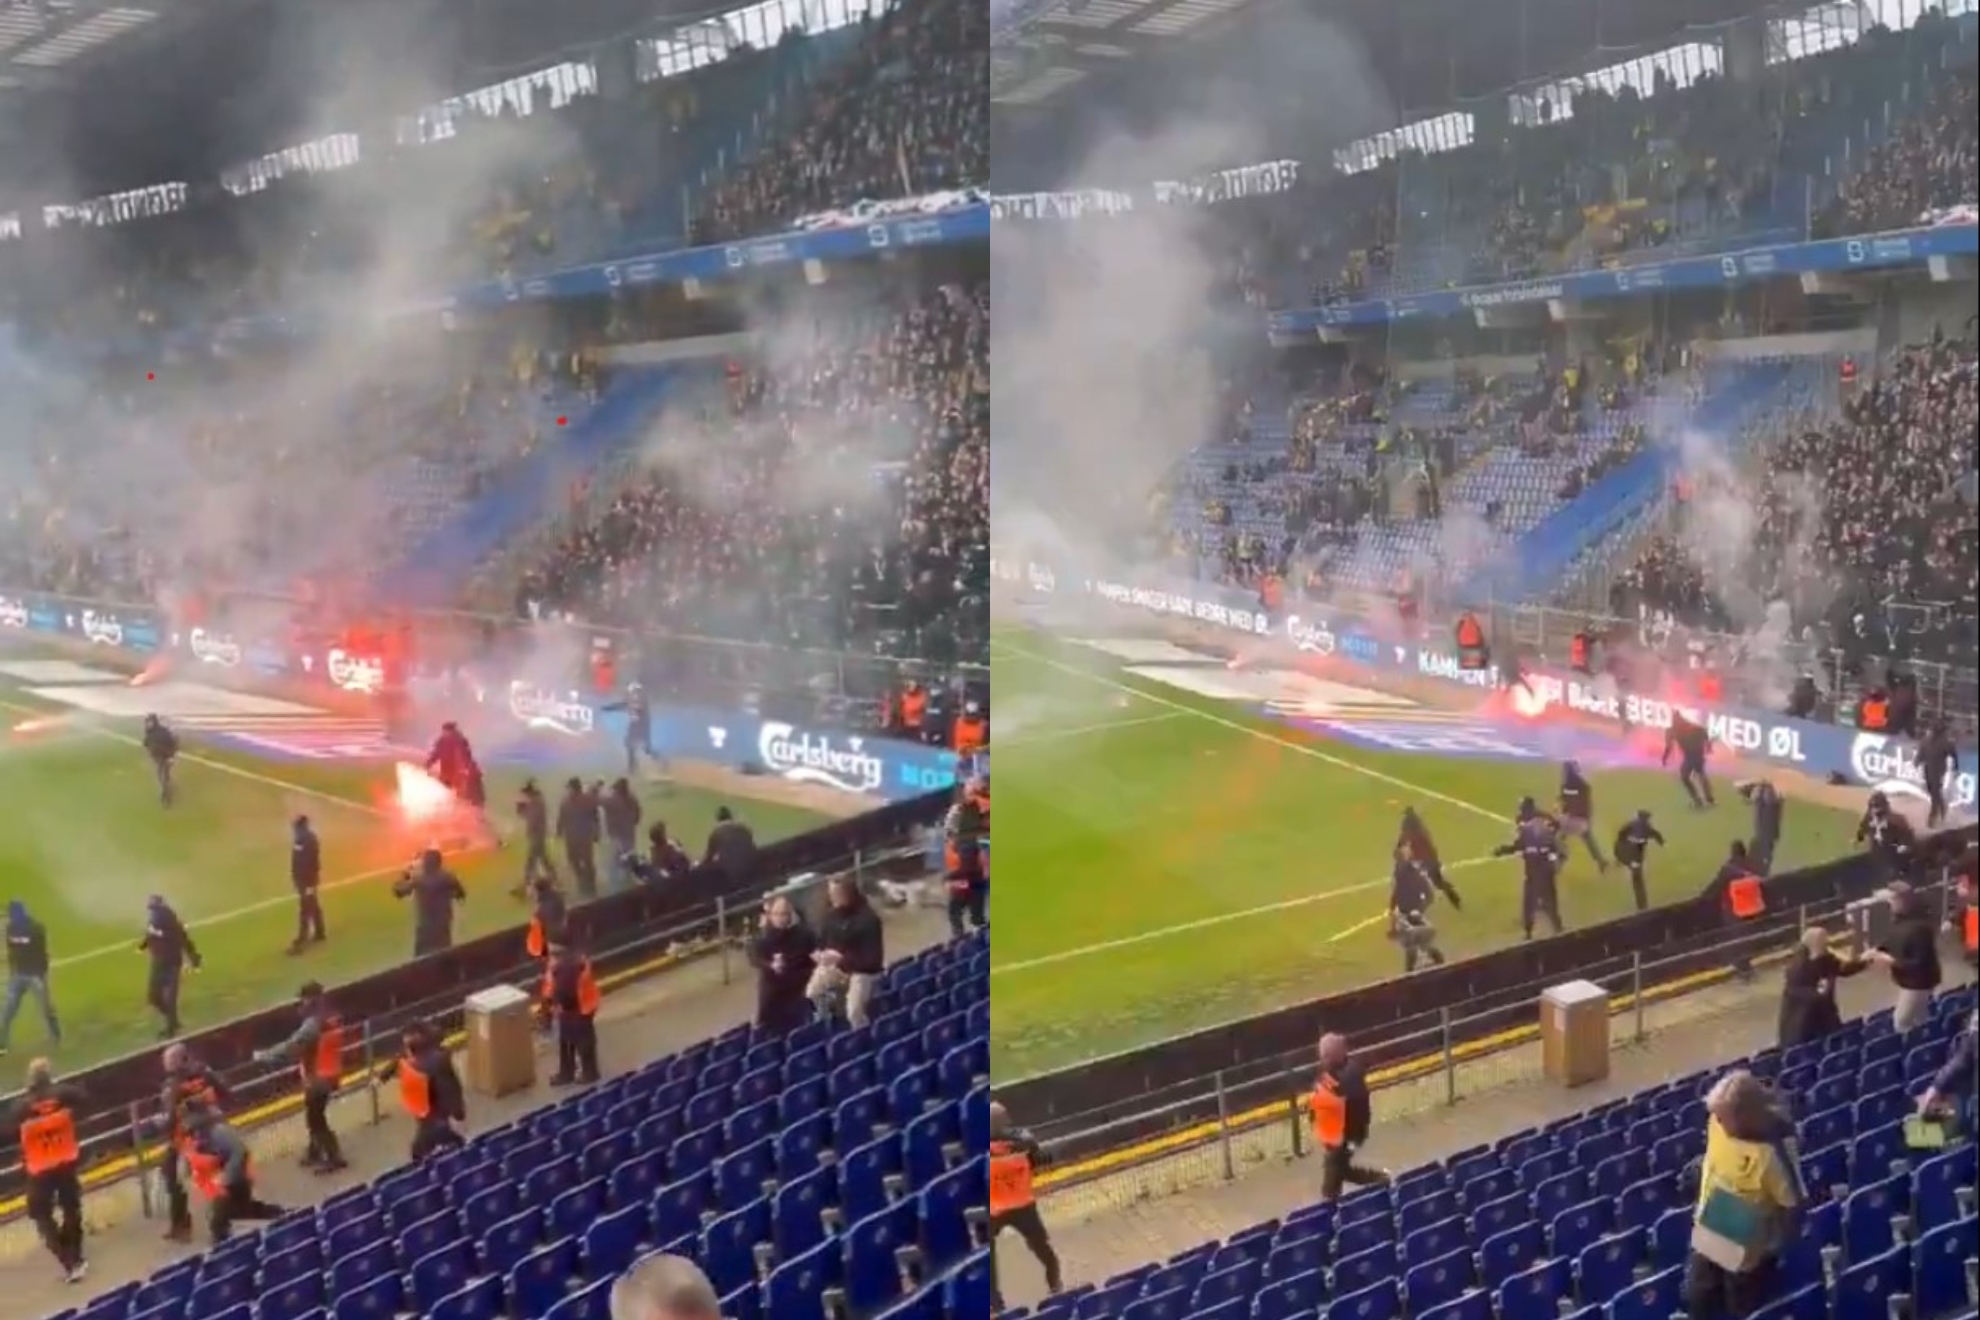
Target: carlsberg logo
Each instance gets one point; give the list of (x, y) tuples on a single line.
[(814, 758), (541, 708), (1893, 766)]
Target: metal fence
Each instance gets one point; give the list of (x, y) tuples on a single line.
[(124, 1146), (1212, 1129)]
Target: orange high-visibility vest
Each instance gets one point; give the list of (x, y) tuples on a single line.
[(1973, 928), (1010, 1179), (1469, 635), (415, 1089), (48, 1137), (1876, 713), (1329, 1112), (587, 988), (1746, 897), (914, 706), (329, 1061), (972, 733)]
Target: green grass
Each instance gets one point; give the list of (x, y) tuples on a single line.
[(86, 841), (1168, 862)]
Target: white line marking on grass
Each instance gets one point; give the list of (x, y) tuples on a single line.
[(194, 758), (1221, 919), (1084, 730), (1303, 749), (235, 914)]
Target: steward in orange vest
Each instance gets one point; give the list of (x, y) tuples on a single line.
[(223, 1172), (430, 1091), (1745, 898), (317, 1050), (914, 707), (547, 920), (1875, 712), (1341, 1117), (970, 733), (570, 997), (44, 1121), (1015, 1159), (188, 1083)]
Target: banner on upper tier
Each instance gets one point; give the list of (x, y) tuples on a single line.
[(1871, 252), (1859, 757)]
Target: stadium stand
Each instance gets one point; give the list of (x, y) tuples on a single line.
[(1591, 1215), (1885, 477), (747, 531), (1432, 462), (826, 1161)]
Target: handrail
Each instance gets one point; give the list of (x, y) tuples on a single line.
[(117, 1143), (1220, 1105)]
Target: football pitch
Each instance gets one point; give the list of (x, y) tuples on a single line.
[(86, 842), (1177, 847)]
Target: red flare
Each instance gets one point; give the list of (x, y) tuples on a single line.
[(423, 800), (152, 672)]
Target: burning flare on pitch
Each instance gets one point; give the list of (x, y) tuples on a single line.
[(152, 672), (423, 800)]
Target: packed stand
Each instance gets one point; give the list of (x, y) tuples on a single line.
[(1626, 176), (829, 500), (904, 115), (253, 474), (1600, 1213), (1872, 504), (1929, 164), (516, 185)]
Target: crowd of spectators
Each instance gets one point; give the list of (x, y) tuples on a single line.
[(1593, 175), (831, 496), (253, 472), (1930, 162), (903, 116), (1870, 509), (891, 106)]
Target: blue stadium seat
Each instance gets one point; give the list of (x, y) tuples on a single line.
[(1809, 1303), (1379, 1301), (1537, 1293), (1863, 1291), (1658, 1297), (1606, 1267), (1945, 1258), (1438, 1282), (479, 1300)]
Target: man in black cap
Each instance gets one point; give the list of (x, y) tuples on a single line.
[(306, 874), (171, 948), (430, 1090)]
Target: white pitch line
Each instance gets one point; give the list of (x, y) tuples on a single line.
[(194, 758), (1303, 749), (235, 914), (1083, 730), (1221, 919)]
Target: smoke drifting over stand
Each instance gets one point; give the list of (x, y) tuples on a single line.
[(1108, 368)]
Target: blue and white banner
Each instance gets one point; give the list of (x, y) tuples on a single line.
[(1872, 252), (1871, 760)]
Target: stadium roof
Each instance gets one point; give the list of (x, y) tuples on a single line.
[(110, 94), (44, 43), (1426, 52)]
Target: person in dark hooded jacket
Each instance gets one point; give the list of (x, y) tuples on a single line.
[(27, 974), (782, 954), (1808, 993)]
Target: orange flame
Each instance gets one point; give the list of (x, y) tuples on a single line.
[(39, 724), (422, 798), (152, 671)]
